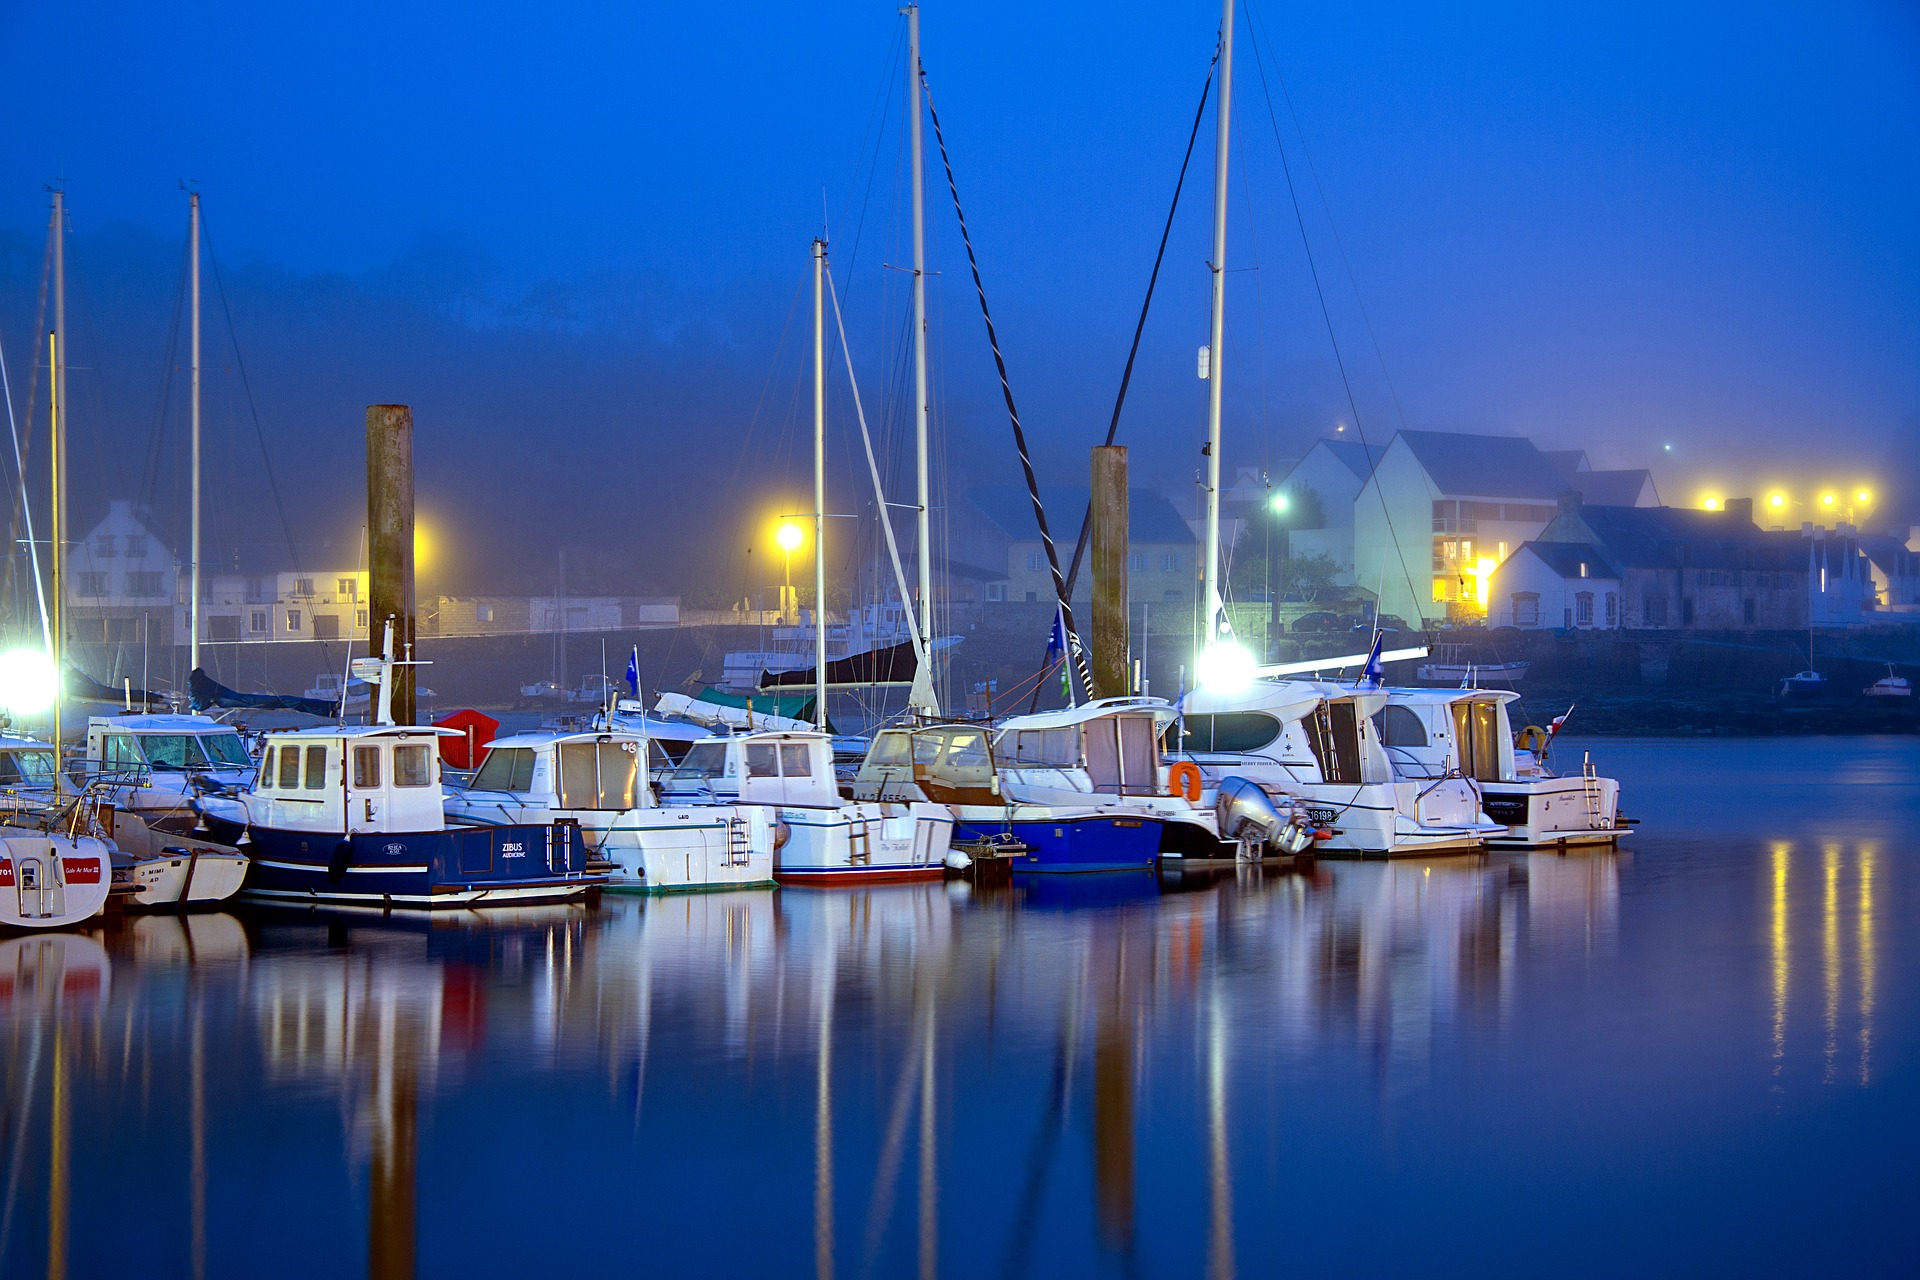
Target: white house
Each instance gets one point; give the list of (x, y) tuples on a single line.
[(1333, 472), (1568, 585), (122, 580)]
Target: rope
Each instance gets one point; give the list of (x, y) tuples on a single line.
[(1013, 414), (1126, 375)]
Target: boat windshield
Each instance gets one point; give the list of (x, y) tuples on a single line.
[(31, 768), (194, 750), (703, 760)]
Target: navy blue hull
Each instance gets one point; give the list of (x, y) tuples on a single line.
[(1100, 843), (458, 867)]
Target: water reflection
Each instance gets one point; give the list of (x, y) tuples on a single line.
[(1083, 1074)]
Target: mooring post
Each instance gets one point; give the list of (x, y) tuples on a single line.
[(1109, 544), (390, 541)]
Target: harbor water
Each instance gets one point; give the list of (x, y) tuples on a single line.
[(1692, 1055)]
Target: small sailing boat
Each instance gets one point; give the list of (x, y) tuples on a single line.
[(1890, 685)]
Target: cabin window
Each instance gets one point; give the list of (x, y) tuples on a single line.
[(121, 753), (225, 748), (316, 768), (289, 767), (366, 768), (967, 750), (598, 775), (1334, 736), (793, 760), (890, 750), (505, 769), (266, 769), (762, 760), (926, 748), (703, 760), (1400, 727), (26, 766), (1476, 727), (1231, 731), (1058, 747), (412, 765)]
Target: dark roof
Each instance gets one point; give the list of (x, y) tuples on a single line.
[(1610, 488), (1151, 517), (1890, 553), (1353, 455), (1485, 466), (1568, 462), (1565, 558), (1678, 537)]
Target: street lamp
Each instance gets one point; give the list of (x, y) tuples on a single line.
[(789, 537)]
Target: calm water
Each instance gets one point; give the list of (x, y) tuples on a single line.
[(1695, 1056)]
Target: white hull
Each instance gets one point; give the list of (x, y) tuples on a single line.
[(865, 841), (465, 898), (1559, 811), (1392, 819), (184, 879), (50, 882), (685, 847)]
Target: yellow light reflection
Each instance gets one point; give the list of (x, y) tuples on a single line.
[(1830, 951), (1863, 939), (1781, 969)]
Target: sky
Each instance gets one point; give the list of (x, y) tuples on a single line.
[(575, 237)]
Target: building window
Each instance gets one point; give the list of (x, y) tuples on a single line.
[(1613, 609), (360, 618), (257, 621), (1653, 611), (1686, 612), (1036, 561), (93, 584), (344, 588), (1583, 568), (1171, 597), (996, 591), (1172, 561), (136, 546), (1583, 608), (146, 583), (1526, 608), (1031, 597), (103, 546), (303, 586), (481, 613), (1137, 561), (293, 620)]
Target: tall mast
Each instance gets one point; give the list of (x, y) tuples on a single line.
[(923, 518), (193, 611), (820, 486), (57, 429), (1216, 340)]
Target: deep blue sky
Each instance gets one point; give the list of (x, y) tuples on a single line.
[(1610, 226)]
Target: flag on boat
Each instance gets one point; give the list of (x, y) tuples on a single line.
[(1373, 675), (1057, 651), (633, 671)]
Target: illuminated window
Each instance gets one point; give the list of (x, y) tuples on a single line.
[(293, 620)]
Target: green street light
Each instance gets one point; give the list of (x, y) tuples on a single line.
[(1280, 503)]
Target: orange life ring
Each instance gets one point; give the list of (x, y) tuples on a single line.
[(1184, 780)]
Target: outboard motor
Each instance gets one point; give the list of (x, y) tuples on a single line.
[(1249, 816)]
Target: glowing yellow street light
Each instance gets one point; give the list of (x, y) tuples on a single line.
[(1710, 504), (789, 536), (1777, 501), (1863, 497)]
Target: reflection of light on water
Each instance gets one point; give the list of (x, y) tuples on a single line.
[(1830, 952), (1780, 962), (1220, 1169), (823, 1119), (1864, 937)]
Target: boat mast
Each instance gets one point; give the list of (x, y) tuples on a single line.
[(1216, 340), (923, 518), (57, 428), (820, 486), (193, 610)]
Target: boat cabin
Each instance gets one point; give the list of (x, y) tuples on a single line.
[(578, 771), (1113, 742), (944, 763), (1310, 730), (791, 770), (350, 779), (1430, 733), (164, 743), (26, 765)]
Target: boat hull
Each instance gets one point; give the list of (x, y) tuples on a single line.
[(1100, 842), (459, 867), (681, 849), (184, 879), (864, 843), (1392, 820), (50, 882), (1554, 811)]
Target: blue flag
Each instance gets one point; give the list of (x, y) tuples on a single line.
[(633, 671), (1057, 650), (1372, 676)]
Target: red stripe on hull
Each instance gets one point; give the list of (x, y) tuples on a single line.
[(860, 876)]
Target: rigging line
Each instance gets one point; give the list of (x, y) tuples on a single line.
[(33, 379), (1013, 414), (246, 385), (1140, 327), (1326, 315), (150, 472), (33, 550)]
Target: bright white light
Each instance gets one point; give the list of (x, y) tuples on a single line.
[(1224, 667), (26, 681), (1280, 504), (789, 536)]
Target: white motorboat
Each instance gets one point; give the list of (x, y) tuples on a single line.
[(50, 881), (1467, 734), (822, 838), (1106, 752), (1472, 674), (159, 765), (596, 779), (1315, 741)]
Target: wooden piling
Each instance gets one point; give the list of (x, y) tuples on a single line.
[(1110, 648), (390, 542)]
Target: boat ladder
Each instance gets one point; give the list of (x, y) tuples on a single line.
[(859, 844), (738, 843), (1591, 785)]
